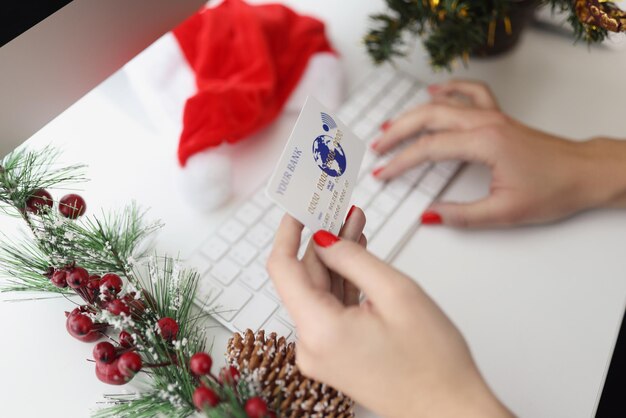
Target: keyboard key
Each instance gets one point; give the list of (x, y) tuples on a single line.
[(254, 276), (277, 326), (361, 197), (198, 262), (255, 313), (232, 230), (414, 174), (262, 200), (214, 248), (273, 217), (306, 234), (249, 214), (260, 235), (385, 202), (375, 219), (225, 271), (362, 129), (271, 290), (399, 187), (447, 168), (432, 183), (265, 254), (371, 184), (243, 253), (284, 315), (230, 302), (207, 291), (406, 216), (368, 162)]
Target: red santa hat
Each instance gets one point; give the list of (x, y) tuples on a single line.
[(230, 70)]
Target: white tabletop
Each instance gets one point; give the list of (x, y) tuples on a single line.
[(539, 306)]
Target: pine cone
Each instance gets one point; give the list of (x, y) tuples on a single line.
[(271, 362)]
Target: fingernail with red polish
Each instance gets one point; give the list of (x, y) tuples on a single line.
[(350, 212), (434, 88), (374, 144), (386, 124), (376, 172), (431, 218), (324, 238)]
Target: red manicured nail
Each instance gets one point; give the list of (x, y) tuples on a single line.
[(434, 88), (376, 171), (350, 212), (386, 124), (324, 238), (431, 218), (374, 144)]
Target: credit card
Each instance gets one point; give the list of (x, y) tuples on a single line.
[(318, 169)]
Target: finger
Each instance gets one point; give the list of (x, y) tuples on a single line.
[(293, 283), (432, 117), (351, 230), (478, 92), (351, 293), (452, 100), (380, 282), (488, 212), (320, 276), (459, 145), (287, 241)]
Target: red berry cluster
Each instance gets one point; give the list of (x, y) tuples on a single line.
[(116, 365), (205, 397), (40, 201)]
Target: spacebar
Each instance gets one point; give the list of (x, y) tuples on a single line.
[(400, 224)]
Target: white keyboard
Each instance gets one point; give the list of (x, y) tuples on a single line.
[(234, 283)]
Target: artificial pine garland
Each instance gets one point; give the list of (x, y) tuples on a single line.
[(139, 304), (453, 29)]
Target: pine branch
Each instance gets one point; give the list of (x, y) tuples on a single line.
[(23, 171), (144, 405)]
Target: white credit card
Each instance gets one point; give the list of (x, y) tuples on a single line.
[(317, 170)]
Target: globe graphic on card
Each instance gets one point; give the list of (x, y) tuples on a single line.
[(329, 156)]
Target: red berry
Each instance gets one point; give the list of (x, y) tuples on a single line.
[(59, 278), (204, 397), (256, 408), (129, 364), (168, 327), (94, 282), (200, 364), (104, 352), (117, 307), (72, 206), (229, 375), (77, 277), (39, 201), (80, 326), (126, 340), (110, 373), (112, 283), (135, 305)]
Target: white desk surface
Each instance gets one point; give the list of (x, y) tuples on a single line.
[(539, 306)]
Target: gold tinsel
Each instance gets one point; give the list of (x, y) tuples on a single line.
[(271, 362)]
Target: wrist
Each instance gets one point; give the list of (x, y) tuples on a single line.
[(602, 172), (468, 398)]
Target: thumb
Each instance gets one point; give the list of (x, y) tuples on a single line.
[(379, 281), (487, 212)]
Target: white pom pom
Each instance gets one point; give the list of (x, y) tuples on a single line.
[(206, 179)]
